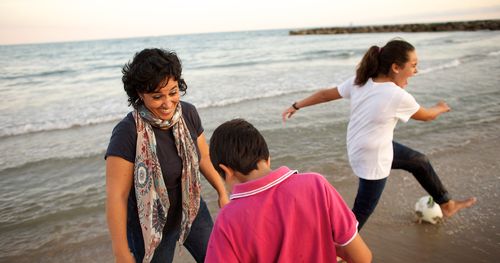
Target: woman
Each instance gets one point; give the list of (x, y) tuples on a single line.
[(378, 101), (153, 162)]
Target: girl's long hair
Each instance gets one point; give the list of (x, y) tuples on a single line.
[(378, 60)]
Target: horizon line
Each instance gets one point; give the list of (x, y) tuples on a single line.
[(236, 31)]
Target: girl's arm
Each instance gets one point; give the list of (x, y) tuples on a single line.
[(318, 97), (428, 114)]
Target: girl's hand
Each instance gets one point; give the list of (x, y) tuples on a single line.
[(443, 106), (287, 114)]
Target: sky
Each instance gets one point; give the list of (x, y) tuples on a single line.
[(39, 21)]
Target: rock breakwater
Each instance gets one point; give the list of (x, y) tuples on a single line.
[(421, 27)]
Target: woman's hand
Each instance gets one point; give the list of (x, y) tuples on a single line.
[(208, 170), (125, 258), (223, 200)]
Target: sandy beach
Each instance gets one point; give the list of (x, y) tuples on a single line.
[(52, 171), (392, 233), (472, 235)]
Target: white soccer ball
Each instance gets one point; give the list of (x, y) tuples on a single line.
[(427, 210)]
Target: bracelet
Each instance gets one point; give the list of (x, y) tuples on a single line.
[(294, 105)]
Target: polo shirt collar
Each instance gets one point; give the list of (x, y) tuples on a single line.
[(262, 184)]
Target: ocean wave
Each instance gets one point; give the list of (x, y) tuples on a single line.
[(40, 74), (451, 64), (39, 162), (65, 124), (232, 101), (331, 53), (231, 65), (56, 125), (305, 56), (51, 216), (494, 53), (114, 66)]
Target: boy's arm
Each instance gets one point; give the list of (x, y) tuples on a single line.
[(219, 247), (350, 246), (356, 251)]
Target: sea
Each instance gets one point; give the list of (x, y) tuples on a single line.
[(60, 102)]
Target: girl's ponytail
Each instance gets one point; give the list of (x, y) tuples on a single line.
[(368, 67)]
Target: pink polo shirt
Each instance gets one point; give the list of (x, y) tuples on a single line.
[(282, 217)]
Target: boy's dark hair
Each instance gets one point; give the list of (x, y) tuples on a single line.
[(148, 71), (238, 145)]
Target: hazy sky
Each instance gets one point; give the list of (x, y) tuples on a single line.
[(29, 21)]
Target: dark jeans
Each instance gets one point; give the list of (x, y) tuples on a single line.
[(196, 242), (405, 158)]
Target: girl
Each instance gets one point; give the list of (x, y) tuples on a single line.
[(378, 101)]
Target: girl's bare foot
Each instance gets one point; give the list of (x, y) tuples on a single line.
[(452, 207)]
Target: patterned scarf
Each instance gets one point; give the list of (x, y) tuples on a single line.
[(150, 189)]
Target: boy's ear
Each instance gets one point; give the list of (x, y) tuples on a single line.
[(227, 170)]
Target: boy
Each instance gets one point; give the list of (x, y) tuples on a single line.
[(276, 215)]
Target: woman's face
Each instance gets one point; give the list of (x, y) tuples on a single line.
[(409, 69), (163, 101)]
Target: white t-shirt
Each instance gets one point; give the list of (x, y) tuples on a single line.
[(375, 110)]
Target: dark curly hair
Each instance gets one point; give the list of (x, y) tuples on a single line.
[(149, 70)]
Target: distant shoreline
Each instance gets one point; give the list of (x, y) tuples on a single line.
[(420, 27)]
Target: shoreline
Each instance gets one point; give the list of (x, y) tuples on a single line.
[(465, 170), (392, 232), (474, 25)]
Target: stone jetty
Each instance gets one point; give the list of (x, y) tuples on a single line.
[(423, 27)]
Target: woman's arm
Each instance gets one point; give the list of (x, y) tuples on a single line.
[(356, 251), (428, 114), (119, 178), (208, 170), (320, 96)]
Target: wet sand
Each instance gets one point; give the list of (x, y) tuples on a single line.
[(472, 235)]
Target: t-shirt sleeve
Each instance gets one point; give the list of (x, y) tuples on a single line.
[(407, 107), (193, 117), (123, 140), (343, 220), (345, 88), (219, 246)]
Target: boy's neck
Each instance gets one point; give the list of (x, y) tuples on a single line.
[(263, 169)]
